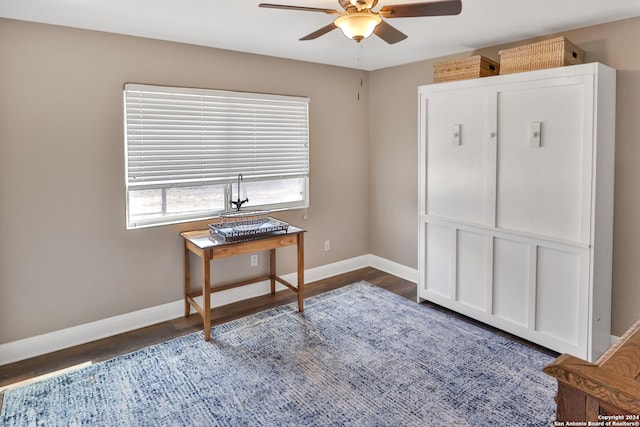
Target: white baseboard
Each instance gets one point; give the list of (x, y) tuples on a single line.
[(391, 267), (69, 337)]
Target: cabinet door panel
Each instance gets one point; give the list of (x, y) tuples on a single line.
[(540, 188), (511, 280), (557, 294), (456, 168), (439, 262), (471, 277)]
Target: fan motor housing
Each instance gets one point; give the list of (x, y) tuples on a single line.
[(364, 4)]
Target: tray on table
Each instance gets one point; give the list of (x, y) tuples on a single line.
[(236, 231)]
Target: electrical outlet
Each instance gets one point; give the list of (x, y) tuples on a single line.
[(254, 260), (327, 245)]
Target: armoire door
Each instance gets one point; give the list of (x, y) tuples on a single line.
[(544, 159), (457, 179)]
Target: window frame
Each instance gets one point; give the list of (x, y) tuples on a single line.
[(137, 117)]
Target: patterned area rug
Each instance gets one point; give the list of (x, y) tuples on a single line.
[(359, 356)]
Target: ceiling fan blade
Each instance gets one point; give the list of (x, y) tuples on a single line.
[(322, 31), (434, 8), (389, 33), (303, 8)]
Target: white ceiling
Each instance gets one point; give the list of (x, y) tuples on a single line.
[(242, 26)]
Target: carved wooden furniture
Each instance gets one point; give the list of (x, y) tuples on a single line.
[(598, 391), (199, 243), (516, 203)]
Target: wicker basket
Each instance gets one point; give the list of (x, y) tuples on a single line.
[(550, 53), (462, 69)]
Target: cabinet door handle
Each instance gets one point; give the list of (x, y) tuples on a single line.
[(455, 134), (534, 135)]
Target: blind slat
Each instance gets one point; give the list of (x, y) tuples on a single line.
[(198, 136)]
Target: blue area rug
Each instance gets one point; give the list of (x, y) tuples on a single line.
[(359, 356)]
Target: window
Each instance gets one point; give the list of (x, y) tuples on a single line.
[(186, 148)]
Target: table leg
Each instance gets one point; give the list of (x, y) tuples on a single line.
[(206, 294), (272, 270), (187, 281), (300, 272)]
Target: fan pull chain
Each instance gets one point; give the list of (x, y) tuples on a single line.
[(360, 67)]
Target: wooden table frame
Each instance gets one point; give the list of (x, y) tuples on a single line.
[(609, 386), (199, 243)]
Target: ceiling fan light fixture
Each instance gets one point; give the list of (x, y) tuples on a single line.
[(357, 25)]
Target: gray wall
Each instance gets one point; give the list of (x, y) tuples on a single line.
[(65, 256)]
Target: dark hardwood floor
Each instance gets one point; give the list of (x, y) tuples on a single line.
[(130, 341)]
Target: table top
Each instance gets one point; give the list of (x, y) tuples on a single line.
[(203, 239)]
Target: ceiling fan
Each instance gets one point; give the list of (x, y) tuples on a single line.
[(358, 21)]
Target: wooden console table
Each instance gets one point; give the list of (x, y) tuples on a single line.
[(198, 242)]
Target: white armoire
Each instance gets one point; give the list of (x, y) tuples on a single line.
[(516, 203)]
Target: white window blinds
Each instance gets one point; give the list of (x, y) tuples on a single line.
[(188, 137)]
